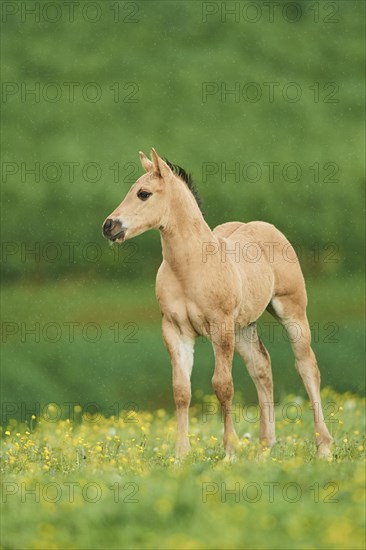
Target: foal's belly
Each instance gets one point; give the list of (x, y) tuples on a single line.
[(256, 274), (258, 289)]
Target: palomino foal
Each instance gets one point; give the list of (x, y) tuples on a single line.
[(203, 288)]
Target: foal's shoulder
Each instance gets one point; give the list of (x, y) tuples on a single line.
[(227, 229)]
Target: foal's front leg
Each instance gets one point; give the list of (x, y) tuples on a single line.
[(180, 348), (222, 381)]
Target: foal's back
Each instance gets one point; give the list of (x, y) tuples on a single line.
[(268, 265)]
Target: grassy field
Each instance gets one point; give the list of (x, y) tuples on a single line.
[(81, 334), (96, 482), (89, 427)]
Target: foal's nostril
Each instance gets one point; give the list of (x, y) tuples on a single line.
[(107, 226)]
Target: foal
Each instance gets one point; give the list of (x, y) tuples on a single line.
[(217, 284)]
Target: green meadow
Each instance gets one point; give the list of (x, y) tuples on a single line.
[(263, 104), (96, 482)]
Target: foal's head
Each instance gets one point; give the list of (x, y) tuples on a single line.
[(148, 202)]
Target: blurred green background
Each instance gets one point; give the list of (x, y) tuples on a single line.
[(140, 78)]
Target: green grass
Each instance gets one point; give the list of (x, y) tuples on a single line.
[(169, 54), (112, 483)]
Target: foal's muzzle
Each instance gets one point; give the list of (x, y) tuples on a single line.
[(113, 230)]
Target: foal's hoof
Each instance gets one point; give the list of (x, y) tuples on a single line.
[(263, 453), (324, 453), (230, 458), (323, 445), (180, 460), (231, 443), (181, 453)]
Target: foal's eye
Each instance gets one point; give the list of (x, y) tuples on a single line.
[(143, 195)]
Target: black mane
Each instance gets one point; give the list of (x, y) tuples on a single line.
[(187, 178)]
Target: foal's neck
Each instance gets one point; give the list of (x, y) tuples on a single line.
[(185, 230)]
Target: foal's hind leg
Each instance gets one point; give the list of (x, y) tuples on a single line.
[(293, 318), (258, 363)]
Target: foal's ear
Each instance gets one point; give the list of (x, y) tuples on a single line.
[(146, 163), (160, 166)]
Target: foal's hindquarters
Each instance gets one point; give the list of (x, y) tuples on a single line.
[(265, 252)]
